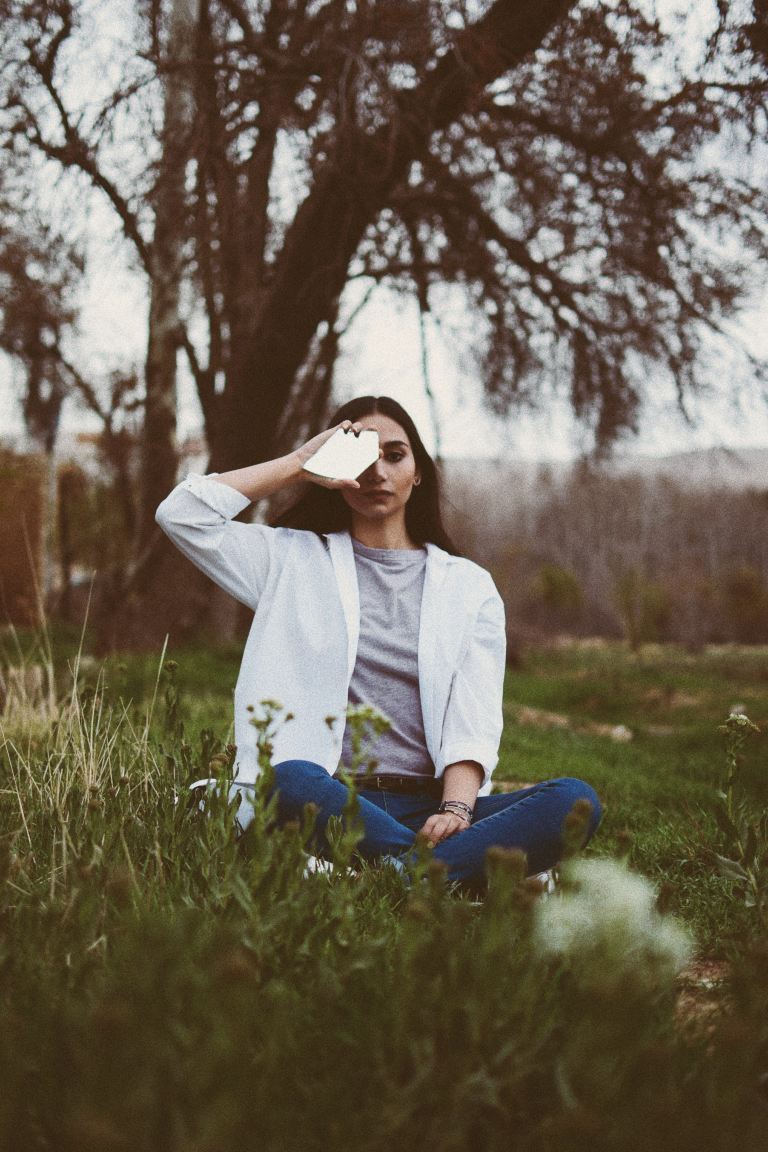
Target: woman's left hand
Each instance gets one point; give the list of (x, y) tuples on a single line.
[(441, 826)]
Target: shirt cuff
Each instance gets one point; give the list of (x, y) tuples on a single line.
[(223, 498)]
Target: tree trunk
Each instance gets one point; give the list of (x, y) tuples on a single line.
[(159, 452), (310, 275), (353, 187), (68, 485), (161, 587)]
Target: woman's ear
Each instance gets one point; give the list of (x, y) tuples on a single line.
[(417, 479)]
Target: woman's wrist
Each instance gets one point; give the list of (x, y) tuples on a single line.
[(457, 808), (295, 462)]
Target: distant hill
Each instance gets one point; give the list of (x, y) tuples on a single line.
[(705, 468)]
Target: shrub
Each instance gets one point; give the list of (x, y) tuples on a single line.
[(559, 593), (744, 597), (644, 607)]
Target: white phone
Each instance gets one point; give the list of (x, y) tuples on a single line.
[(345, 456)]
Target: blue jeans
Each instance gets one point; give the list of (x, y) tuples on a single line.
[(530, 819)]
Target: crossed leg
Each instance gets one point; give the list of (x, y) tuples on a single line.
[(531, 819)]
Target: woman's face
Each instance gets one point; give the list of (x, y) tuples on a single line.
[(386, 486)]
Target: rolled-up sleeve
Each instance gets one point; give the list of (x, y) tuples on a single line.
[(474, 718), (198, 517)]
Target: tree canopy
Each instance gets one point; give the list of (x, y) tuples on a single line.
[(564, 164)]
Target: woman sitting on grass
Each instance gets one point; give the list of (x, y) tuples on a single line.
[(359, 598)]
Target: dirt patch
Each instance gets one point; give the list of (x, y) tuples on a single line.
[(540, 718), (670, 698), (700, 997)]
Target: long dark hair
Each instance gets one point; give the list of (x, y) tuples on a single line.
[(324, 510)]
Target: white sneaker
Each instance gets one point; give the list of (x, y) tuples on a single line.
[(245, 812), (316, 864), (548, 881)]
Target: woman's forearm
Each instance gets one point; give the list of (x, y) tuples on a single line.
[(261, 480), (462, 780)]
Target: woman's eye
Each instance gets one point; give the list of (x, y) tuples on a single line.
[(395, 456)]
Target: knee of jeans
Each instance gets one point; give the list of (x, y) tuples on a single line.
[(305, 766), (289, 772)]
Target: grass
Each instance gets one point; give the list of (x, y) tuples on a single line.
[(166, 988), (661, 787)]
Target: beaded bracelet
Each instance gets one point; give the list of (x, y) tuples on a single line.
[(457, 808)]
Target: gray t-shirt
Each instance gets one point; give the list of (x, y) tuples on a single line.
[(386, 674)]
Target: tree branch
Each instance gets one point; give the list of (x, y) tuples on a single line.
[(77, 153)]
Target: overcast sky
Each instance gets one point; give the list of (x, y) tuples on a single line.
[(382, 355)]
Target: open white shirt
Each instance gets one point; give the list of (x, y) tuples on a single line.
[(301, 648)]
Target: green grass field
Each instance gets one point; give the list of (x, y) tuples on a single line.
[(659, 787), (166, 988)]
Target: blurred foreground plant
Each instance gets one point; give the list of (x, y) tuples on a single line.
[(616, 958), (605, 924)]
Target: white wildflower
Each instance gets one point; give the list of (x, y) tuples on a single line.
[(605, 923)]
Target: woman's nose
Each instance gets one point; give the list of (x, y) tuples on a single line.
[(376, 471)]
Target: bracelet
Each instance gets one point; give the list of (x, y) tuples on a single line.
[(457, 804), (457, 808)]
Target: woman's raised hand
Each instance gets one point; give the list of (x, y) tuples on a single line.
[(308, 450)]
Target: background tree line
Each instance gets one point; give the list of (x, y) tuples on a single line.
[(557, 165), (584, 552), (593, 553)]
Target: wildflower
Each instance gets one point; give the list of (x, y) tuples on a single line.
[(512, 861), (624, 841), (235, 967), (738, 721), (576, 825), (417, 909), (606, 924), (119, 887)]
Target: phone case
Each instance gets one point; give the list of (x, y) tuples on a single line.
[(345, 456)]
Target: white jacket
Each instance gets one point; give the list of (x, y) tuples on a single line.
[(302, 645)]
